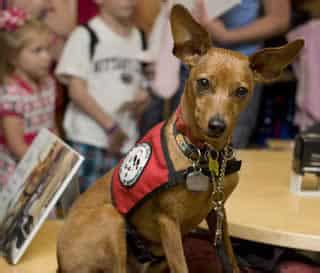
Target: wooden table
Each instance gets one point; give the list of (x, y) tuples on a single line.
[(40, 256), (261, 209)]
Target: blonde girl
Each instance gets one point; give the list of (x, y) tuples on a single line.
[(27, 92)]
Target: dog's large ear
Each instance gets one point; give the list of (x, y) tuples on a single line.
[(191, 40), (267, 64)]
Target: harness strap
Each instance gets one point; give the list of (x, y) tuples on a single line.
[(93, 40), (138, 246)]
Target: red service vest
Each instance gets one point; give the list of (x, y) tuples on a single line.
[(142, 171)]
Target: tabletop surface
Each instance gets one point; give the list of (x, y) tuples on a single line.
[(40, 256), (261, 209)]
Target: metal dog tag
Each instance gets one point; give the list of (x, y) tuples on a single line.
[(196, 181)]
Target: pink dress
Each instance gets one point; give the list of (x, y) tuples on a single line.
[(36, 109), (307, 69)]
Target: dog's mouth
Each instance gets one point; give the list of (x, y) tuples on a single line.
[(214, 135), (211, 135)]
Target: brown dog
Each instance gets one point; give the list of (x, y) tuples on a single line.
[(220, 84)]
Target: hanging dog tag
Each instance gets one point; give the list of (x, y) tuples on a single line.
[(196, 181), (213, 166)]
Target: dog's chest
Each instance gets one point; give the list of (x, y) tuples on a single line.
[(189, 207)]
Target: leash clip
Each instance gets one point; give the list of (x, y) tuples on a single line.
[(228, 152)]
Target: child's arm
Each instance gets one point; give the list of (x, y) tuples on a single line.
[(275, 21), (73, 70), (13, 133), (78, 92), (138, 105)]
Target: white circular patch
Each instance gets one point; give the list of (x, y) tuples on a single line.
[(134, 163)]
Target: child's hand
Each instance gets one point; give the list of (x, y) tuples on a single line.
[(142, 96), (218, 31), (141, 102), (215, 26), (137, 106), (117, 139), (126, 107), (149, 71), (200, 12)]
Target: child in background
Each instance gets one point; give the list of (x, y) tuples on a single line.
[(59, 15), (61, 18), (104, 80), (27, 92)]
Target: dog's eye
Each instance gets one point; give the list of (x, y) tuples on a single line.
[(203, 84), (241, 92)]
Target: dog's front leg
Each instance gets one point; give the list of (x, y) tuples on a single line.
[(170, 235)]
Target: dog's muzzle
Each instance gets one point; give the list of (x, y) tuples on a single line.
[(216, 126)]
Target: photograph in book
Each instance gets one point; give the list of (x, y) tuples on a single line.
[(33, 190), (215, 7)]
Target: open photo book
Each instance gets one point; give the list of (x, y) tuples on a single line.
[(33, 191)]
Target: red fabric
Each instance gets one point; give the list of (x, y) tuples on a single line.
[(297, 267), (182, 128), (28, 138), (155, 174), (24, 84), (4, 113), (86, 10), (200, 255)]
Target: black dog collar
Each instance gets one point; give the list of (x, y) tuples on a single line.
[(201, 155)]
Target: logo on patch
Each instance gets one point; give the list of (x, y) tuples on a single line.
[(134, 163)]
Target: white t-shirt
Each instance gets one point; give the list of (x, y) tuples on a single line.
[(113, 76)]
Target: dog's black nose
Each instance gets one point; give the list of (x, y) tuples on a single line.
[(216, 126)]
